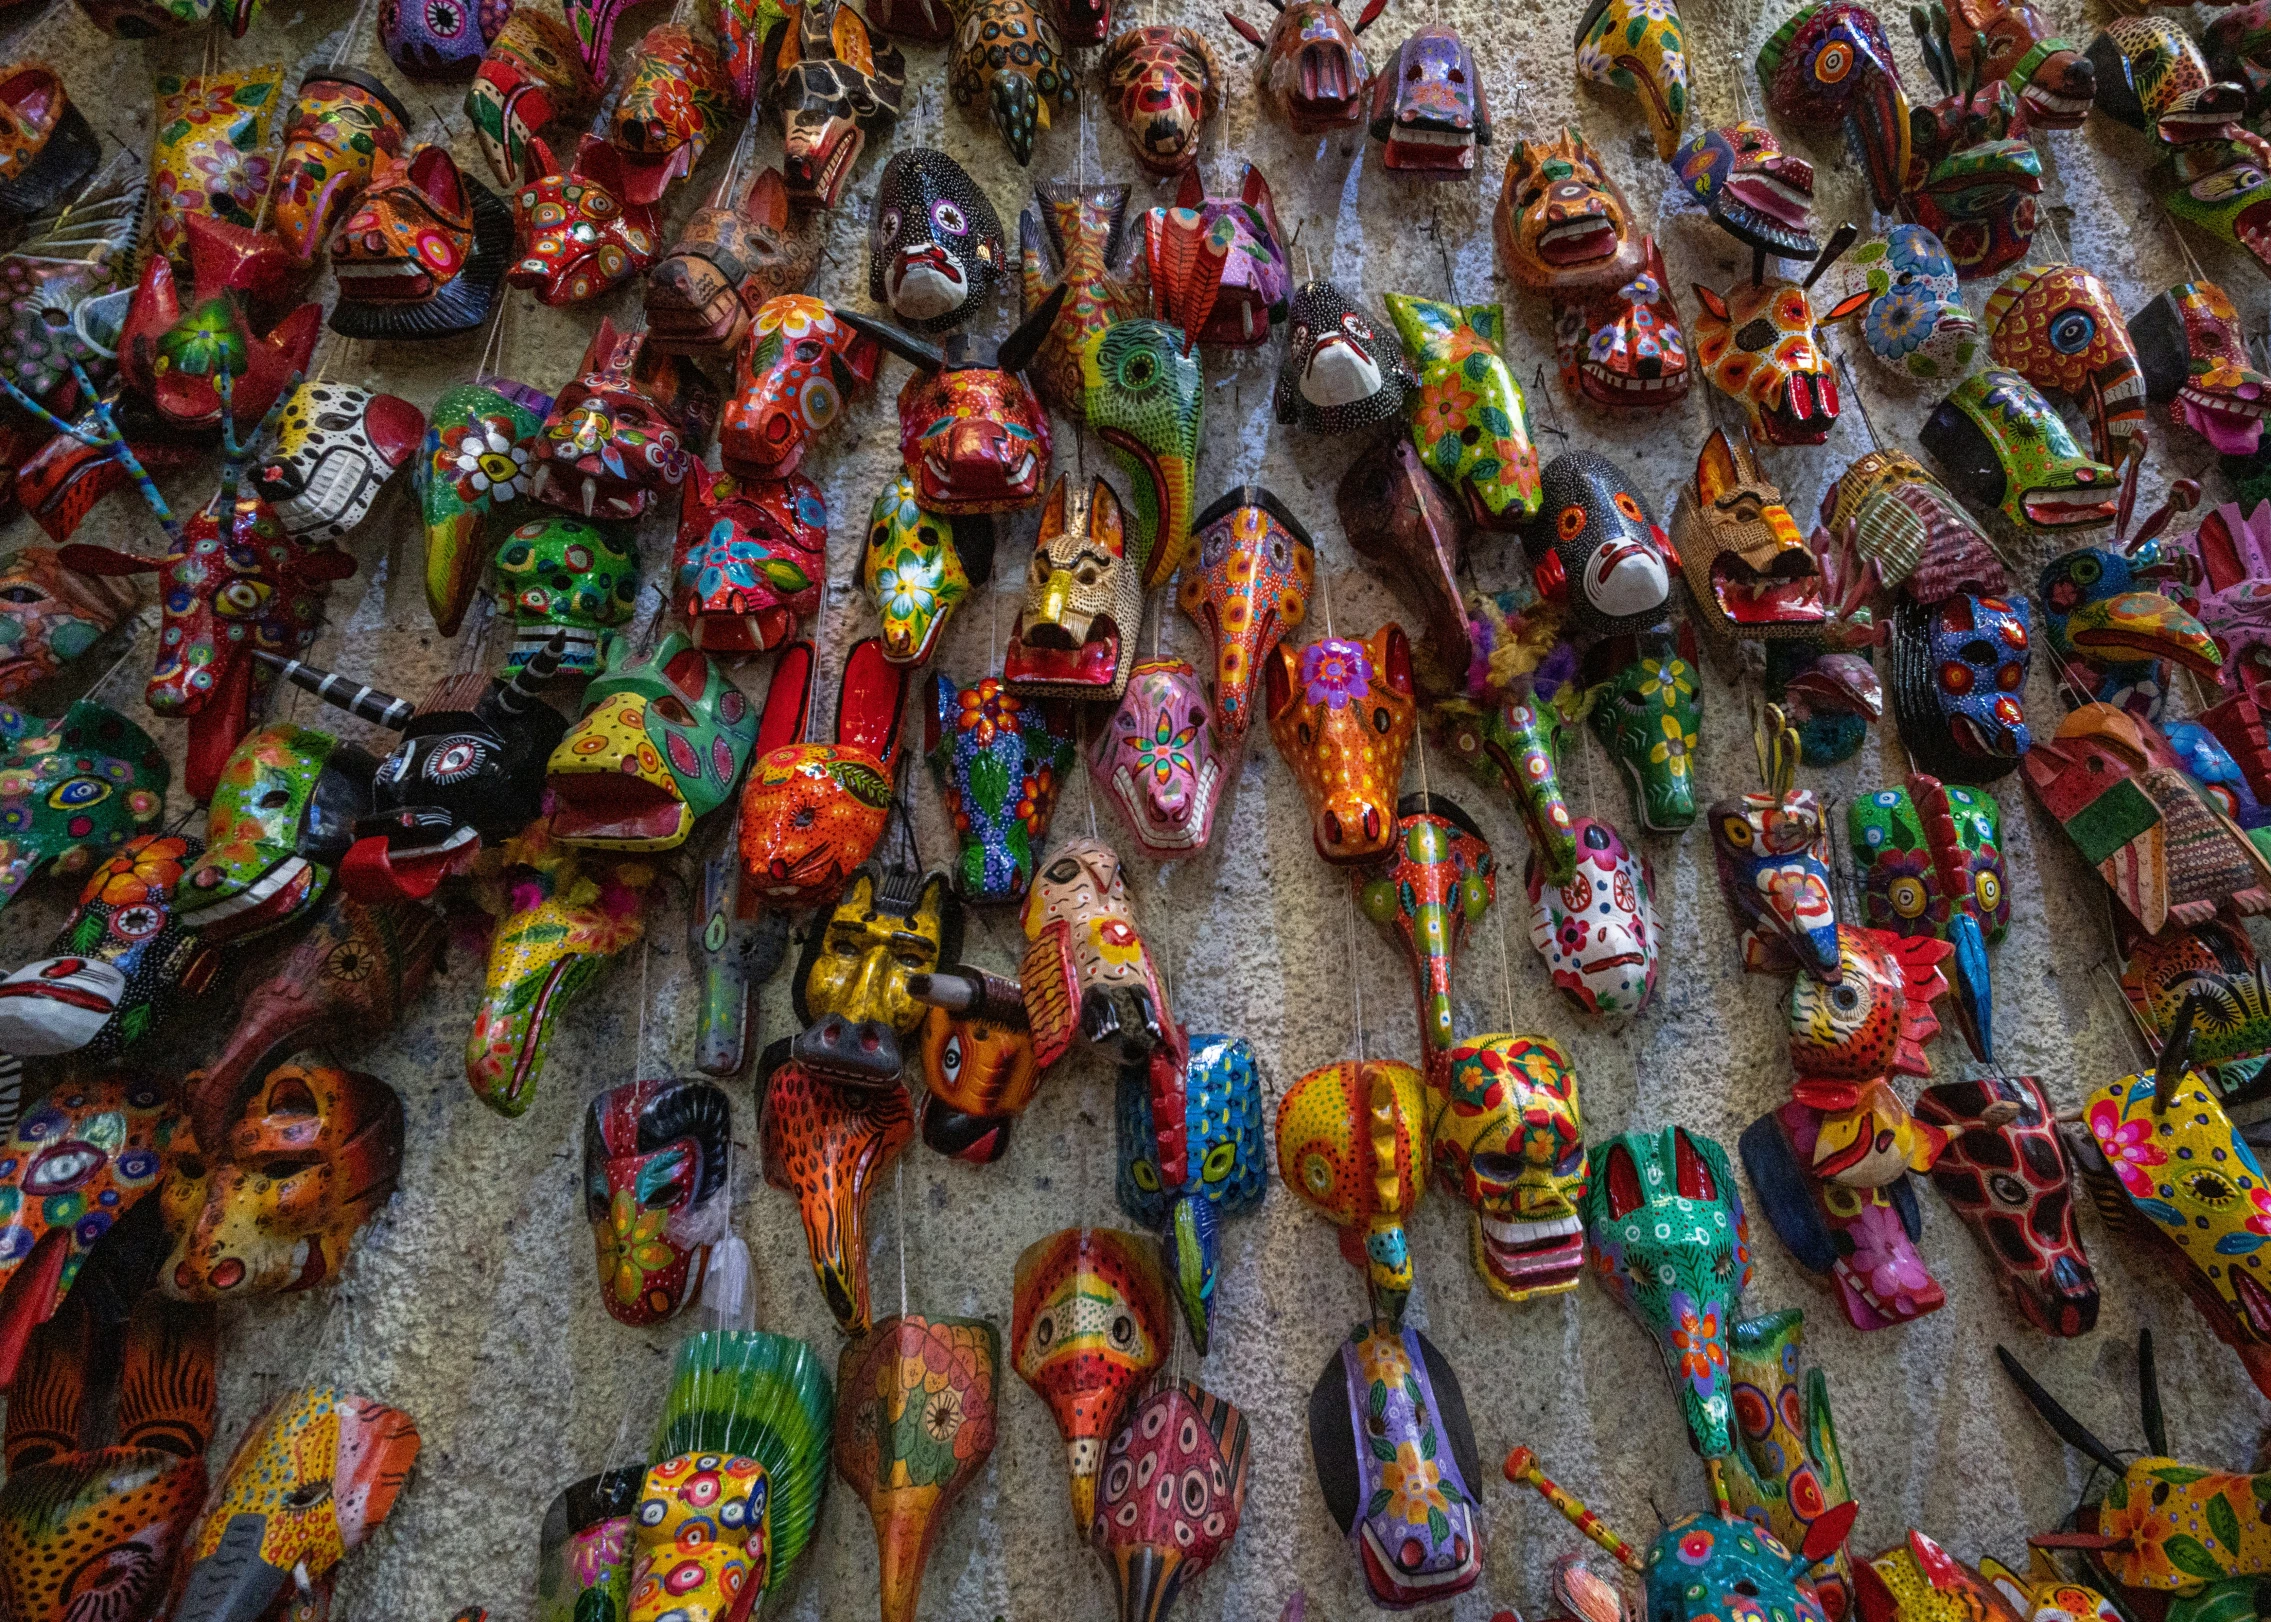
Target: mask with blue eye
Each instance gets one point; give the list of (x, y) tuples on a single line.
[(1222, 1117)]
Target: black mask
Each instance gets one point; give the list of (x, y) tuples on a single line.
[(935, 248), (1595, 549), (1340, 373)]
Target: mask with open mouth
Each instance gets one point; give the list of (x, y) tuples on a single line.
[(282, 820), (1469, 420), (1161, 761), (1162, 84), (532, 77), (2004, 446), (1389, 1390), (673, 102), (50, 615), (1076, 635), (625, 429), (343, 124), (1439, 881), (1750, 574), (1640, 47), (1758, 344), (1256, 282), (576, 232), (663, 740), (792, 379), (173, 352), (752, 558), (657, 1156), (440, 39), (1312, 72), (728, 260), (2008, 40), (1339, 373), (918, 566), (423, 253), (2195, 362), (2153, 77), (1831, 65), (1977, 178), (1510, 1142), (1646, 717), (1598, 932), (1352, 1144), (812, 812), (336, 446), (1915, 317), (1595, 549), (2060, 329), (1958, 679), (1000, 762), (1620, 348), (1911, 531), (836, 81), (1342, 714), (1227, 1168), (1429, 109), (1562, 223), (1773, 857), (1248, 591), (935, 248), (1755, 192), (566, 578), (2111, 633), (1862, 1240)]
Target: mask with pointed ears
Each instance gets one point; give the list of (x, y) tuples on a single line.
[(752, 558), (1750, 574), (853, 992), (1429, 110), (423, 252), (1079, 233), (1342, 715), (1256, 281), (175, 353), (1620, 347), (1563, 225), (625, 430), (1352, 1143), (1312, 71), (793, 378), (1075, 637), (576, 231), (1773, 857), (728, 260), (835, 81), (1758, 343), (812, 812)]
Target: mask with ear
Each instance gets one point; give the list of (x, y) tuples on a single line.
[(2196, 362), (1313, 73), (1352, 1143), (1256, 281), (812, 812), (835, 80), (852, 991), (705, 292), (1563, 225), (1757, 343), (752, 557), (576, 231), (1000, 761), (1750, 574), (1076, 635), (1342, 714)]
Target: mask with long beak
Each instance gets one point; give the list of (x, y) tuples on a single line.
[(1089, 1323), (1154, 1542), (1227, 1168), (1773, 856), (835, 81), (663, 741), (2004, 446), (2104, 618), (478, 459), (310, 1482), (854, 983), (1931, 861), (1352, 1143), (1340, 373), (1642, 49), (1144, 394), (1831, 64), (829, 1143), (1510, 1142), (1249, 589), (1161, 760), (1017, 89), (1437, 882)]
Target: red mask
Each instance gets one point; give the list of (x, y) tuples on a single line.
[(791, 380), (752, 557), (241, 279), (577, 234), (624, 430)]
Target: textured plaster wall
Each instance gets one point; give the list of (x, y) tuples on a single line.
[(472, 1302)]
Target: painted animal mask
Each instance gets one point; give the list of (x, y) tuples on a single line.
[(1750, 574), (1620, 347), (274, 1206), (1312, 72), (576, 231), (72, 791), (2113, 634), (1469, 421), (703, 294), (1980, 180), (282, 818), (567, 579), (1863, 1240), (2196, 362), (478, 459), (752, 558), (917, 568), (1931, 861), (310, 1482), (343, 121), (1388, 1398), (812, 812), (1787, 1473), (656, 1158), (1256, 282), (1250, 589), (829, 1144), (532, 77), (624, 430), (1087, 973), (662, 742), (1342, 715), (1753, 190), (50, 615), (1429, 110), (2005, 1171), (1597, 931), (1089, 1324), (210, 157), (1161, 760), (1915, 317), (336, 447), (1671, 1242), (1399, 516), (423, 252), (835, 80), (1511, 746), (1016, 84), (673, 102), (2233, 547), (1143, 392), (440, 39), (935, 251), (978, 1063), (1773, 856), (1352, 1143), (790, 381), (1079, 234), (47, 147), (1155, 1542), (1227, 1168), (2008, 40), (1757, 344), (1868, 1024), (1595, 548), (1641, 49), (853, 991), (1831, 64), (2213, 964), (1340, 373), (2060, 329), (1510, 1142), (1437, 880), (1646, 716), (1563, 225), (2004, 446), (1959, 667), (173, 351), (1076, 635), (1162, 84)]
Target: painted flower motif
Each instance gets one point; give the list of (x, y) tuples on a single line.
[(196, 103), (485, 461), (156, 867), (905, 590), (1036, 795), (2128, 1145), (1571, 934), (635, 1248), (2260, 1221), (1695, 1337), (1695, 1547), (230, 177), (792, 316), (988, 709), (1414, 1485), (942, 1414), (1896, 323), (2141, 1530), (1381, 1360), (1672, 750), (1333, 673), (1117, 943), (1166, 750), (1444, 406)]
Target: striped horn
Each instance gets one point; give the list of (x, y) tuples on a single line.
[(515, 696), (341, 691)]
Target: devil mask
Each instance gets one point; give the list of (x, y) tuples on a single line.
[(752, 558), (1313, 71), (1749, 572), (656, 1158), (835, 79), (1595, 549), (1000, 762), (625, 429), (852, 990), (1959, 675), (1339, 373), (1076, 635), (935, 251)]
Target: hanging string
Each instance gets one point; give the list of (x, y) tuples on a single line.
[(639, 1054), (354, 32), (899, 1198), (2126, 1016), (1355, 981), (1505, 968), (1325, 589)]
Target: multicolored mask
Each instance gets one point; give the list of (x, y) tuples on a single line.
[(1915, 317), (1620, 347), (2003, 445), (829, 1144), (1226, 1167), (1646, 717), (1312, 73), (1016, 85), (1143, 392), (1087, 973), (2008, 40), (1162, 85), (1859, 1030), (47, 147), (1597, 931), (752, 557), (673, 103), (1831, 64), (1786, 1472), (1750, 574), (836, 80), (73, 791), (1429, 111), (656, 1158), (918, 1412), (312, 1479), (336, 446), (340, 125), (1754, 191), (1595, 549), (282, 814), (1339, 373), (532, 77), (1862, 1239), (571, 581), (1342, 715), (2195, 361), (1080, 233), (2212, 965), (790, 381), (1773, 856), (1640, 48), (1469, 420), (1076, 635), (663, 740), (1181, 243), (172, 352), (978, 1064), (853, 991), (1438, 879), (703, 294), (440, 39), (1562, 223), (479, 451), (917, 567), (1512, 746), (1161, 760), (1153, 1541), (624, 430), (576, 231), (210, 158), (1352, 1143), (1509, 1141), (2060, 329), (935, 250), (273, 1206), (1756, 343), (1671, 1242), (1980, 179), (1089, 1324), (812, 812), (1250, 589), (1959, 667), (423, 252), (2233, 548), (2115, 636)]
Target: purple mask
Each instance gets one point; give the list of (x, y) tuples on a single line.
[(440, 39), (1159, 760), (1257, 278)]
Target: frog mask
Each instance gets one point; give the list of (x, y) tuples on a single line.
[(1646, 716), (1249, 590), (1597, 931), (1000, 761), (852, 992), (663, 741), (1161, 760), (657, 1155), (1511, 1143)]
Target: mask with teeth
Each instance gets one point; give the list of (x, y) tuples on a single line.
[(935, 250), (1640, 48), (2003, 445), (1469, 420), (1773, 857), (423, 252), (1000, 762), (2008, 40), (2152, 76), (1076, 635), (1511, 1143), (2195, 362), (570, 579), (2214, 962), (662, 742), (1161, 760), (791, 380), (917, 567), (1621, 348), (281, 821), (1162, 85), (336, 446), (812, 812), (1863, 1240), (1749, 572), (1352, 1144), (575, 231), (1757, 344), (1429, 111), (1646, 718), (1562, 223), (656, 1159), (1980, 180), (1248, 590), (1831, 65), (836, 81), (1342, 713), (343, 123), (2060, 329), (1440, 881), (703, 294), (1915, 317), (1755, 192), (1670, 1240), (1312, 72), (1959, 676), (1595, 549), (852, 989), (1597, 932), (752, 558), (625, 429), (1339, 373), (1257, 279)]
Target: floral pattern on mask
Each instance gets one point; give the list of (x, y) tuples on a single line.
[(211, 154), (1597, 931), (1647, 716), (1160, 760), (656, 1158), (791, 381), (751, 560), (1436, 881), (1640, 46), (1915, 317), (662, 742), (1620, 348), (1250, 589), (1429, 111), (1469, 420), (1509, 1141)]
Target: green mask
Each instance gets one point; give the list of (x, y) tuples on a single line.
[(282, 816), (663, 740), (73, 791), (1469, 421), (479, 459), (1143, 392), (1645, 716)]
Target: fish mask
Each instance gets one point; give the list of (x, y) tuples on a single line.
[(1143, 392), (1016, 88), (282, 818), (657, 1156), (673, 103), (342, 122), (1646, 717), (1161, 759), (1671, 1242), (812, 812), (1510, 1142), (2007, 40), (1773, 856), (1750, 574), (1162, 84), (275, 1205), (1597, 931), (423, 252), (1437, 882), (172, 352), (917, 568), (2060, 329), (829, 1143), (1620, 347), (792, 379), (1562, 224), (835, 81), (1831, 64), (532, 78), (1754, 191), (1076, 635), (1915, 317), (1342, 714), (210, 157), (1429, 111), (1255, 564), (703, 294), (336, 447), (440, 39), (568, 579), (1958, 670), (2195, 361), (662, 742), (1313, 73), (478, 459), (935, 251), (1256, 280), (1154, 1542), (1469, 421), (978, 1063), (1340, 373), (625, 430), (752, 558), (1352, 1143), (853, 990), (1226, 1171), (2004, 446), (1641, 49), (1863, 1240), (1595, 549), (576, 231), (1089, 1323)]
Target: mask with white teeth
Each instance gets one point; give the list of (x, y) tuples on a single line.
[(1755, 192), (625, 430), (1562, 223), (1339, 374), (568, 578), (2004, 446), (1749, 572), (1160, 761), (1595, 549), (1511, 1143), (935, 249), (2195, 361), (1428, 108), (1597, 932)]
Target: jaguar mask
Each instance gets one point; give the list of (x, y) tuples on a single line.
[(1342, 714), (1161, 760), (1757, 343), (812, 812), (1249, 590), (1598, 931), (1340, 373), (1596, 550), (1750, 574), (852, 992), (1429, 111), (830, 1143), (835, 80), (1352, 1144), (935, 251), (662, 742), (1773, 856), (673, 102), (657, 1155), (1620, 347), (752, 558), (336, 447), (1510, 1143), (625, 430), (1076, 635), (576, 232)]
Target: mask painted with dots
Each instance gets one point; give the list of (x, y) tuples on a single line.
[(336, 446), (1339, 373), (1959, 671), (1510, 1142), (571, 579), (1250, 589), (935, 251), (662, 742), (440, 39), (1595, 549), (1174, 1489), (1598, 932)]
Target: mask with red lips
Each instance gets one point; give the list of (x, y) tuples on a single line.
[(935, 249), (1595, 549), (1755, 192), (1598, 932)]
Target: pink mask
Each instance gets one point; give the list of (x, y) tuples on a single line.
[(1159, 760)]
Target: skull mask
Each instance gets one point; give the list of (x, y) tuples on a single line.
[(917, 567), (1959, 668), (1076, 635), (656, 1159), (1162, 85), (752, 558), (1249, 590), (1342, 714), (1510, 1142), (852, 992), (624, 430), (1755, 192), (1000, 761), (1595, 548), (1646, 718), (1563, 225), (1598, 932), (2004, 446), (571, 579), (1339, 374), (935, 251), (662, 742), (336, 446), (1429, 111), (1161, 760)]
